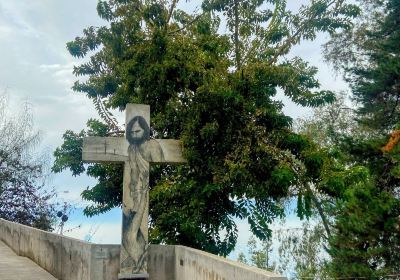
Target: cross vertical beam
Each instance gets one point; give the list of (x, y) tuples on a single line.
[(136, 150), (135, 199)]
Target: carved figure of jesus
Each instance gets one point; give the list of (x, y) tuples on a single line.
[(140, 153)]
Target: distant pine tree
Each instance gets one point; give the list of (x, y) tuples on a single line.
[(366, 239)]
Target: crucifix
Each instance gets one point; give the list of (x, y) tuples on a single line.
[(136, 150)]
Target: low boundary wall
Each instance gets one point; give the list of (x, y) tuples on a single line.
[(71, 259)]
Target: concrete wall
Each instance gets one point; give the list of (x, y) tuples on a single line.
[(198, 265), (65, 258), (71, 259)]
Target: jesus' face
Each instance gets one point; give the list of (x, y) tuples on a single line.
[(137, 131)]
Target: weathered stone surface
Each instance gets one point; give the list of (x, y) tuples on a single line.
[(104, 149), (7, 235), (161, 262), (198, 265), (15, 230), (136, 151), (13, 267), (115, 149), (104, 262), (51, 245), (70, 259), (75, 259)]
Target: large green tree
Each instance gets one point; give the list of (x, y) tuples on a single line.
[(214, 91), (366, 238)]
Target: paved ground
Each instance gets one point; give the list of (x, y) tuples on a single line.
[(13, 267)]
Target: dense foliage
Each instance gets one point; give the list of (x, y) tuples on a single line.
[(23, 198), (214, 91), (366, 238), (355, 199), (366, 242), (354, 186), (368, 56)]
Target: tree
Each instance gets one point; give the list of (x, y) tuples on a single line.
[(366, 236), (366, 242), (301, 251), (23, 198), (261, 257), (362, 208), (371, 65), (213, 91), (295, 252)]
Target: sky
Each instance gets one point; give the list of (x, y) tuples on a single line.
[(35, 67)]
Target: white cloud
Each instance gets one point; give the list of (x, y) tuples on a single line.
[(5, 32), (46, 67), (13, 14)]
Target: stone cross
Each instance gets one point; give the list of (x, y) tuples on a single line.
[(136, 150)]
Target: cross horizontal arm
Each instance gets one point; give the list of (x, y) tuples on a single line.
[(115, 149), (172, 151), (104, 149)]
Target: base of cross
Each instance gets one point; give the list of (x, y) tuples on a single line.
[(142, 276)]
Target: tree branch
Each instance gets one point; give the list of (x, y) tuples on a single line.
[(186, 25), (317, 204), (171, 10), (275, 14), (293, 38), (236, 36)]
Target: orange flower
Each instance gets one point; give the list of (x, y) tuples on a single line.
[(394, 139)]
